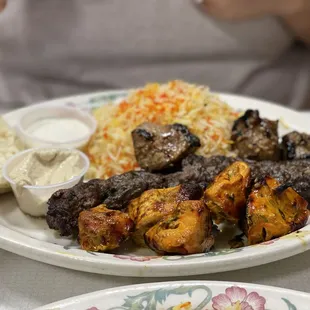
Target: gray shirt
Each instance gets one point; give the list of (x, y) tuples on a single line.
[(56, 48)]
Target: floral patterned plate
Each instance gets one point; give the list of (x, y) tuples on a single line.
[(188, 295), (32, 238)]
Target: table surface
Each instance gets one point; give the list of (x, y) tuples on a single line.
[(27, 284)]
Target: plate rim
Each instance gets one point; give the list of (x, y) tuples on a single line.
[(148, 268), (123, 91), (188, 283), (26, 246)]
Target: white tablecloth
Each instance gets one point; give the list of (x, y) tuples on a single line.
[(26, 284)]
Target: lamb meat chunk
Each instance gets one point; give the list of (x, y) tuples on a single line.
[(159, 147), (296, 145), (65, 205), (256, 138)]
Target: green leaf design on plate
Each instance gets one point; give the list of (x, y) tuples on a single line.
[(290, 306), (150, 300), (72, 246), (98, 101)]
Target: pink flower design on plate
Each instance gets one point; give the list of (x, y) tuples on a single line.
[(136, 258), (268, 242), (237, 298)]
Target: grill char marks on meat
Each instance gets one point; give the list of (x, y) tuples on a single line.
[(188, 230), (65, 205), (189, 191), (102, 229), (274, 210), (296, 145), (199, 170), (256, 138), (119, 190), (294, 172), (226, 196), (160, 147), (152, 205)]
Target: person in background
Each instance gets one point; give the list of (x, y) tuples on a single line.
[(52, 48)]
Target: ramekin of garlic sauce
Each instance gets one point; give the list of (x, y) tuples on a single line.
[(36, 174), (58, 126), (58, 130)]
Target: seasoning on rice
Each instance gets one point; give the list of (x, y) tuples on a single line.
[(110, 149)]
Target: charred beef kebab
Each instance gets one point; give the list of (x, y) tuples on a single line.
[(169, 203), (116, 192)]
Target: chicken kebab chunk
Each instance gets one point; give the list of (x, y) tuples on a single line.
[(226, 196), (188, 230), (273, 211), (148, 209), (102, 229)]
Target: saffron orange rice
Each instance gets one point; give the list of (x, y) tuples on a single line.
[(111, 150)]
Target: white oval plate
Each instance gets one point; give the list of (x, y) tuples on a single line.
[(202, 295), (32, 238)]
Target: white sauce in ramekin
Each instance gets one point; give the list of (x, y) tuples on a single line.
[(59, 130), (56, 126)]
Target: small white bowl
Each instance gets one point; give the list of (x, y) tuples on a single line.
[(43, 113), (30, 195)]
